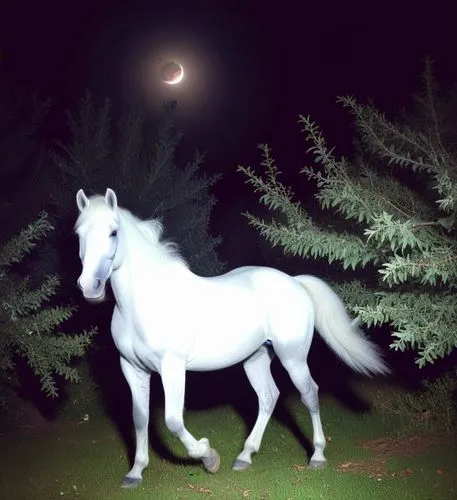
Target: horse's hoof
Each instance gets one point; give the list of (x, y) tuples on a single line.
[(317, 464), (212, 462), (240, 465), (130, 482)]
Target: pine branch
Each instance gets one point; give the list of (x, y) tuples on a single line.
[(28, 325), (403, 230), (16, 249)]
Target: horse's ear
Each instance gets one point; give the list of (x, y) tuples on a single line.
[(111, 199), (82, 201)]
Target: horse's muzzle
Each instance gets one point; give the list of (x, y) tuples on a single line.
[(93, 291)]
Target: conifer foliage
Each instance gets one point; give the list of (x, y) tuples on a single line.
[(28, 324), (394, 212), (30, 318)]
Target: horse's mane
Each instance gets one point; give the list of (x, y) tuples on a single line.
[(151, 229)]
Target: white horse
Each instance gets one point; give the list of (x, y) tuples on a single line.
[(169, 320)]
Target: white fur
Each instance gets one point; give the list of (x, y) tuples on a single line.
[(169, 320)]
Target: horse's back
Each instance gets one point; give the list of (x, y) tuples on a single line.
[(270, 283), (264, 304)]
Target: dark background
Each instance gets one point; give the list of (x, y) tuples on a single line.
[(260, 65)]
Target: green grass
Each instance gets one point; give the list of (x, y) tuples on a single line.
[(88, 461)]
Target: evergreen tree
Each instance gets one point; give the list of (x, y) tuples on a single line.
[(126, 155), (391, 211), (28, 324), (29, 314)]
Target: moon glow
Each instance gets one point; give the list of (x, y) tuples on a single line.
[(172, 73), (181, 70)]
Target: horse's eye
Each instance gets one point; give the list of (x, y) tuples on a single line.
[(113, 233)]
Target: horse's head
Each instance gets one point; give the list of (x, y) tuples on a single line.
[(97, 227)]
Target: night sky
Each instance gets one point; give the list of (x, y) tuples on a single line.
[(253, 67)]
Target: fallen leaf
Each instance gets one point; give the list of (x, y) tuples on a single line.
[(200, 489)]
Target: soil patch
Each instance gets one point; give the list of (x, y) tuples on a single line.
[(386, 447), (404, 445)]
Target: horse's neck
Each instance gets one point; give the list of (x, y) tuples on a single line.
[(142, 262)]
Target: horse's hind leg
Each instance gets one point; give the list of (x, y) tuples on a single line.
[(173, 374), (257, 368), (298, 370)]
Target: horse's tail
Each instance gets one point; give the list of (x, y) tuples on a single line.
[(339, 332)]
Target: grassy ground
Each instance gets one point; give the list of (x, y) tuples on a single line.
[(87, 460)]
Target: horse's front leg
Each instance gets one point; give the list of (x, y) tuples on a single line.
[(139, 382), (173, 373)]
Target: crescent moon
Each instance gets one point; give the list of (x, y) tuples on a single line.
[(179, 78)]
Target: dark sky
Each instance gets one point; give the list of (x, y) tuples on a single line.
[(260, 63)]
